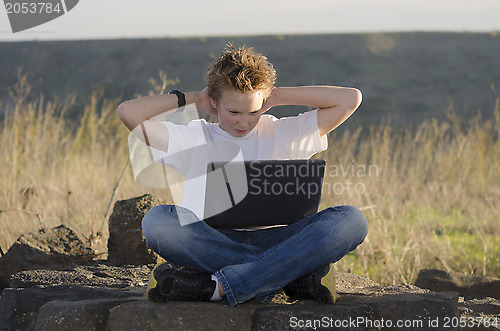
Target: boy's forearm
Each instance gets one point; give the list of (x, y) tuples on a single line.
[(313, 96), (134, 112)]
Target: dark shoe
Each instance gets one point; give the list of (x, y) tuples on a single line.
[(319, 285), (168, 284)]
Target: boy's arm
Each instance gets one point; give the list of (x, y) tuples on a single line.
[(139, 114), (335, 104)]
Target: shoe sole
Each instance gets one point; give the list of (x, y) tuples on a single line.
[(153, 291), (325, 289)]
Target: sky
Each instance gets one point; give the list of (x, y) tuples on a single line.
[(116, 19)]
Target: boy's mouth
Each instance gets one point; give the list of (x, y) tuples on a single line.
[(240, 131)]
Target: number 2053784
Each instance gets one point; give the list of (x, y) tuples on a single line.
[(32, 8)]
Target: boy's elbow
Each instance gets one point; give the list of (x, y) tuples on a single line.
[(124, 113), (357, 97)]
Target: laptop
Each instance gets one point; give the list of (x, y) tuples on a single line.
[(246, 194)]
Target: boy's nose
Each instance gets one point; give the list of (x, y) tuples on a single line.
[(243, 122)]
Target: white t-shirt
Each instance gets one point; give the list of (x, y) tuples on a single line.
[(295, 137)]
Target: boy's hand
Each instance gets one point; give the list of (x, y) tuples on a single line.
[(203, 102), (270, 101)]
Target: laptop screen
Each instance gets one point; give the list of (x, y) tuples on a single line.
[(262, 192)]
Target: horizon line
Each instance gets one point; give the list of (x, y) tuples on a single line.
[(215, 36)]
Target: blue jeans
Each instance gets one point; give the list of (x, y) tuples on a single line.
[(254, 264)]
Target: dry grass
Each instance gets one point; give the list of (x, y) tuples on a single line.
[(431, 195), (60, 172)]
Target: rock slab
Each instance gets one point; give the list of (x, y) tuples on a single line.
[(97, 275), (126, 243), (144, 315), (19, 307), (59, 248), (89, 315), (470, 287)]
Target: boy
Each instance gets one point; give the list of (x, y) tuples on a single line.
[(207, 264)]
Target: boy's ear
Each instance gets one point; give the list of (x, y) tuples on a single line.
[(212, 102)]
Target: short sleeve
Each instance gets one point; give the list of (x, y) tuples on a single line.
[(183, 142), (298, 136)]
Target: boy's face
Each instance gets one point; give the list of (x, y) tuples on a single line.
[(239, 112)]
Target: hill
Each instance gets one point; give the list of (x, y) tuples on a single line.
[(404, 76)]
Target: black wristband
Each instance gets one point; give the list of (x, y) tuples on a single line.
[(181, 99)]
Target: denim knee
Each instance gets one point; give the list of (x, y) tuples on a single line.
[(357, 220), (159, 223), (153, 217), (352, 224)]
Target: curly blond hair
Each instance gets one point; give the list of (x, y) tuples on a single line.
[(242, 70)]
